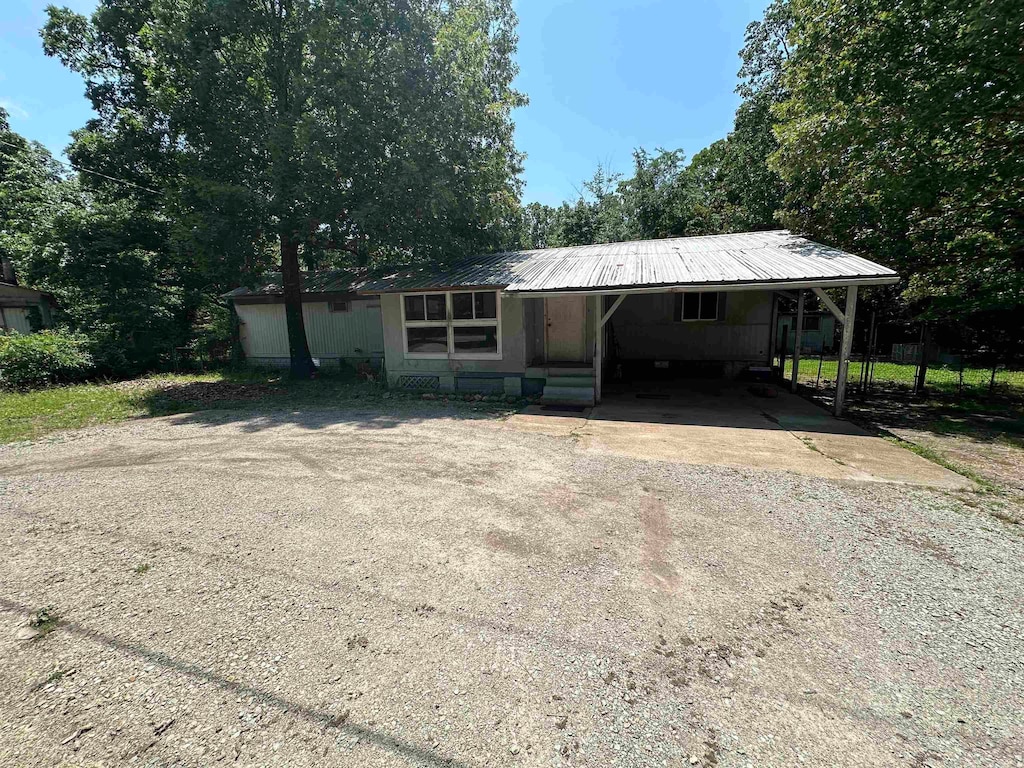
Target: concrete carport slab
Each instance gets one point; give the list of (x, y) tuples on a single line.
[(731, 426)]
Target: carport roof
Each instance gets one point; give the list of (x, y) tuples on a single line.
[(742, 260)]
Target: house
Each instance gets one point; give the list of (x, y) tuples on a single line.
[(818, 335), (564, 323), (24, 310), (568, 323), (341, 325)]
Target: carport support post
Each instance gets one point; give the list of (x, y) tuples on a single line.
[(845, 347), (602, 318), (796, 342)]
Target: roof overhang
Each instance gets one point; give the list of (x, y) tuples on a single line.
[(766, 285)]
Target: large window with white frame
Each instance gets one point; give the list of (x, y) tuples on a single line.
[(458, 324)]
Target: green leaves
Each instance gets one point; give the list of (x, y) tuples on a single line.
[(901, 138)]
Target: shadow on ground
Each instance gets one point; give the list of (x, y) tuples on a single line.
[(336, 722)]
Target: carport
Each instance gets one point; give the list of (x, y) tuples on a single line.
[(705, 301)]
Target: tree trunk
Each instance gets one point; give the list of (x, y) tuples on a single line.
[(7, 273), (298, 347)]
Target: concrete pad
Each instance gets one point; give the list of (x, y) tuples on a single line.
[(549, 422), (732, 427)]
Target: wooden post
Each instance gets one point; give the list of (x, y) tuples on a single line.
[(921, 379), (799, 338), (599, 350), (845, 347)]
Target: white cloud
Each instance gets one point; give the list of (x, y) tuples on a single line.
[(14, 110)]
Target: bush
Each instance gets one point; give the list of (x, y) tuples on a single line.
[(43, 359)]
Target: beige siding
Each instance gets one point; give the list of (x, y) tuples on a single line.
[(356, 333), (645, 329)]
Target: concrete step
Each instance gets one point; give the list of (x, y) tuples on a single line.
[(568, 395), (568, 370), (571, 381)]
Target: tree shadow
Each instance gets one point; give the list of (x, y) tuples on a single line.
[(330, 721)]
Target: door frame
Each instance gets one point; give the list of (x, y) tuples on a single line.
[(583, 329)]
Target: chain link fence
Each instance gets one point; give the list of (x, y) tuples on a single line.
[(901, 359)]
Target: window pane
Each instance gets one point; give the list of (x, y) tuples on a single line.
[(486, 305), (436, 307), (428, 340), (709, 306), (462, 306), (476, 339), (812, 323), (691, 306), (414, 308)]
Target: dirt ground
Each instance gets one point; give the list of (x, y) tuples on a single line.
[(435, 588)]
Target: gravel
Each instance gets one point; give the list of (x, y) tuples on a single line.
[(436, 588)]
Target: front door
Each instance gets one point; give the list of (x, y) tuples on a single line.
[(565, 319)]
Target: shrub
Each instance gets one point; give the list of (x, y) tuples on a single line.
[(43, 359)]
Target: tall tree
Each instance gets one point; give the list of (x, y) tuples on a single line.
[(377, 129), (902, 138)]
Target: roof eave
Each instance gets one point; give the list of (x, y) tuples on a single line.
[(755, 285)]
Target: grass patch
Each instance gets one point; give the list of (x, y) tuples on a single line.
[(937, 458), (30, 415), (141, 568)]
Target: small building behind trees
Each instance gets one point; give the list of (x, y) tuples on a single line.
[(24, 310)]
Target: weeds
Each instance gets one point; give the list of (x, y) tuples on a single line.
[(141, 568)]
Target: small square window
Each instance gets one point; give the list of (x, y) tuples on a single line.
[(462, 306), (486, 304), (436, 307), (338, 306), (414, 308), (698, 306), (812, 323)]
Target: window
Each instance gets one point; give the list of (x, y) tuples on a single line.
[(338, 306), (812, 323), (697, 306), (460, 324)]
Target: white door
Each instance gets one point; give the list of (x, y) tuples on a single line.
[(565, 319)]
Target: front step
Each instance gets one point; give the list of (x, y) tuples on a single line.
[(555, 395), (571, 381)]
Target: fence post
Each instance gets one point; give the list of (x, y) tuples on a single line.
[(922, 364)]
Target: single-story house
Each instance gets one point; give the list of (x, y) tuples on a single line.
[(560, 322), (18, 306), (341, 325), (818, 335)]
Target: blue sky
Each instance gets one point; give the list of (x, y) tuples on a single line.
[(603, 77)]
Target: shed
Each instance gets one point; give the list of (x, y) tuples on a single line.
[(341, 324), (24, 310)]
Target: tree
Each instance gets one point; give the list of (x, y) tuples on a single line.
[(902, 138), (372, 129)]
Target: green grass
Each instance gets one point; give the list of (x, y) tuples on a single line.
[(903, 374), (30, 415), (937, 458)]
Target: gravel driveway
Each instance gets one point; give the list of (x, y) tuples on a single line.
[(438, 589)]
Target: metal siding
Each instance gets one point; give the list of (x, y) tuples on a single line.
[(749, 257), (16, 319), (357, 333)]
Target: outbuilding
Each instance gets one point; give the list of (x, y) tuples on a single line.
[(24, 310), (565, 323), (341, 324)]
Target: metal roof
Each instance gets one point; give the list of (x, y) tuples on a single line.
[(321, 281), (777, 257)]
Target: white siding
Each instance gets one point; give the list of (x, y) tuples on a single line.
[(356, 333)]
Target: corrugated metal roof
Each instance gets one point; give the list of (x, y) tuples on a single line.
[(321, 281), (749, 257)]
